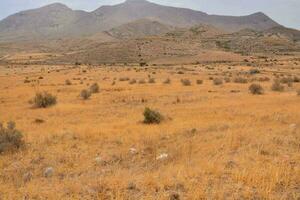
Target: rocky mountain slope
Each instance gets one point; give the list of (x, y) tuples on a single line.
[(57, 20)]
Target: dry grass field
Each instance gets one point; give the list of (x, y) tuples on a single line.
[(216, 141)]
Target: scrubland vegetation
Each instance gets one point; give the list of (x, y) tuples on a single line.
[(205, 131)]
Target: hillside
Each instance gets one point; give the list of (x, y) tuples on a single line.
[(140, 28), (57, 20)]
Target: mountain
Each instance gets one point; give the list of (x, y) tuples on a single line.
[(57, 20), (140, 28)]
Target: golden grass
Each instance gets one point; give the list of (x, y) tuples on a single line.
[(220, 145)]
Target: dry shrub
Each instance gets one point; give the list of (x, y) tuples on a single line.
[(94, 88), (218, 81), (256, 89), (132, 81), (227, 79), (286, 80), (199, 82), (142, 81), (254, 71), (240, 80), (85, 94), (124, 79), (10, 137), (186, 82), (263, 79), (68, 82), (151, 80), (152, 116), (276, 86), (26, 81), (44, 100), (167, 81), (296, 79)]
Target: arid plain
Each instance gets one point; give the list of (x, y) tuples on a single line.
[(217, 140)]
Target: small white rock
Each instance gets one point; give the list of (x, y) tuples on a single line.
[(133, 151), (162, 156), (49, 171), (293, 127), (98, 160)]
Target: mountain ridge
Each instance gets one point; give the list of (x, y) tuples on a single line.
[(58, 20)]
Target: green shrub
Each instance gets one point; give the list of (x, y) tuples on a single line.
[(152, 116), (10, 137), (276, 86), (94, 88), (256, 89), (85, 94), (44, 100)]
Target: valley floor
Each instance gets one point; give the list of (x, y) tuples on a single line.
[(216, 141)]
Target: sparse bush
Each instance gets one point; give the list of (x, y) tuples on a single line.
[(85, 94), (256, 89), (254, 71), (152, 116), (227, 79), (142, 81), (151, 80), (44, 100), (199, 82), (68, 82), (142, 64), (94, 88), (240, 80), (264, 79), (218, 81), (276, 86), (286, 80), (132, 81), (124, 79), (167, 81), (186, 82), (296, 79), (10, 137)]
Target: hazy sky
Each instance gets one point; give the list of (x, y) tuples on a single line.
[(286, 12)]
